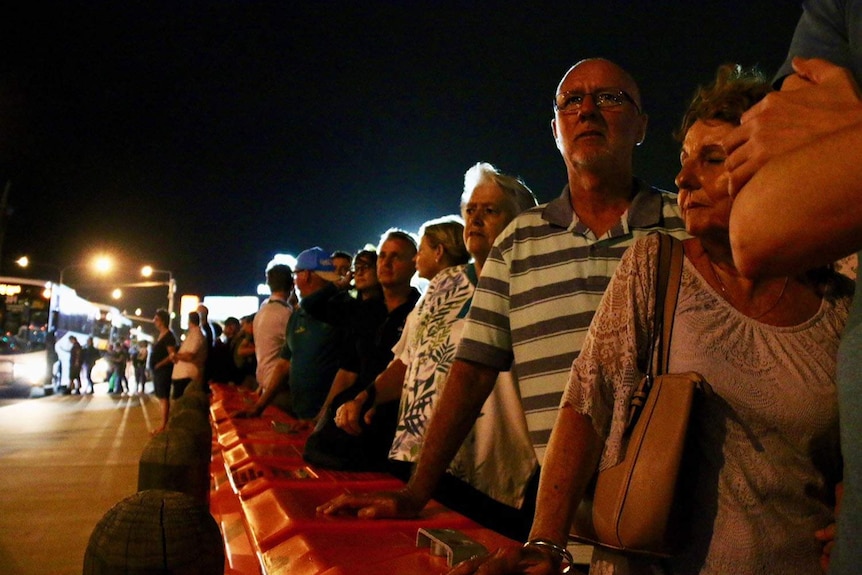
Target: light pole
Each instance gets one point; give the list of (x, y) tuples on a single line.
[(148, 271)]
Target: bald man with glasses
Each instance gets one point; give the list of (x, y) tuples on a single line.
[(543, 280)]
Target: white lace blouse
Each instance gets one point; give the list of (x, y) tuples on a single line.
[(768, 435)]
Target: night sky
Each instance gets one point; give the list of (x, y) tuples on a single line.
[(204, 137)]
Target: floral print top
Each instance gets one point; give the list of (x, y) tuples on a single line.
[(427, 348)]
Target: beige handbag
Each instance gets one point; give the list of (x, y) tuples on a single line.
[(639, 505)]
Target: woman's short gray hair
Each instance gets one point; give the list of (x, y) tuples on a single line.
[(519, 195)]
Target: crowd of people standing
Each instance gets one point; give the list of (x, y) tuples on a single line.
[(565, 298), (505, 385)]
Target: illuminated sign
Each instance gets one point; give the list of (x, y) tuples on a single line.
[(10, 289), (188, 303)]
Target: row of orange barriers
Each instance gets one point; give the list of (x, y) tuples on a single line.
[(264, 498)]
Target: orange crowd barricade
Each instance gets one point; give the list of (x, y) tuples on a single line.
[(264, 497)]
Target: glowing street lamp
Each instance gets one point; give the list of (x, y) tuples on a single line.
[(102, 264), (117, 293)]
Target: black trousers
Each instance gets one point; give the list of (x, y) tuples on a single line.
[(179, 387)]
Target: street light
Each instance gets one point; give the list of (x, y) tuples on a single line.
[(25, 262), (102, 264), (148, 271)]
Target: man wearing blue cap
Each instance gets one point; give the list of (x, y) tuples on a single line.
[(309, 358)]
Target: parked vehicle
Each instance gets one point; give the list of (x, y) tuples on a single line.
[(37, 318)]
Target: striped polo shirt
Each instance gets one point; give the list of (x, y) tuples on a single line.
[(540, 288)]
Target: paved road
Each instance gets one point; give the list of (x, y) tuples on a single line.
[(64, 461), (13, 393)]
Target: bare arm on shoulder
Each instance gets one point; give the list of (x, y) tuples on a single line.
[(802, 209), (795, 168)]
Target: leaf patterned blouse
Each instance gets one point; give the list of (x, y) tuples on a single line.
[(427, 348)]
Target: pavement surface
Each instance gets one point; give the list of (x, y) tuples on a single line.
[(64, 462)]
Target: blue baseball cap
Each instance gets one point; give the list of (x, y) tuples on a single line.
[(318, 261)]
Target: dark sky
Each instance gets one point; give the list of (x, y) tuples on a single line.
[(204, 137)]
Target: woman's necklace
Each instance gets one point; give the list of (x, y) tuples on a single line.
[(727, 295)]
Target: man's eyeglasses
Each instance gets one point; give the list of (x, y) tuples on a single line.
[(571, 101), (360, 268)]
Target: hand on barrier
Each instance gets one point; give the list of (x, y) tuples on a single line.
[(509, 560), (245, 413), (369, 415), (304, 425), (347, 417), (826, 536), (378, 505)]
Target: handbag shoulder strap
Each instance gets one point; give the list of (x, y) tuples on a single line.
[(669, 277)]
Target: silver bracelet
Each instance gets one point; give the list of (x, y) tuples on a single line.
[(561, 553)]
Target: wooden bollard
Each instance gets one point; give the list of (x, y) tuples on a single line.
[(155, 532), (197, 424), (173, 460), (192, 399)]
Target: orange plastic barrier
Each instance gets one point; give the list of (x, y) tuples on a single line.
[(260, 475), (312, 553), (270, 427), (364, 551), (276, 514), (247, 451), (240, 557), (226, 399), (264, 498)]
